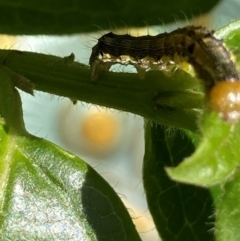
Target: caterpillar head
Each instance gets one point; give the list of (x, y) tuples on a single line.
[(224, 98)]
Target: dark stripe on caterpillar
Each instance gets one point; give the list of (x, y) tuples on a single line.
[(195, 45)]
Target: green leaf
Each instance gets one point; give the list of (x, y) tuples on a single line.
[(51, 195), (181, 212), (68, 17), (228, 210), (47, 193), (216, 157)]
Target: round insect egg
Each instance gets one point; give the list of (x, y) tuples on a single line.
[(225, 99)]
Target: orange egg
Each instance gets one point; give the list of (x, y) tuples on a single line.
[(225, 99)]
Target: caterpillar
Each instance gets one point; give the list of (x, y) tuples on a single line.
[(196, 45)]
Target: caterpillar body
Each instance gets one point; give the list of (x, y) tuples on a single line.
[(196, 45)]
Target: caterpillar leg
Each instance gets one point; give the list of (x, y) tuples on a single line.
[(97, 67)]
